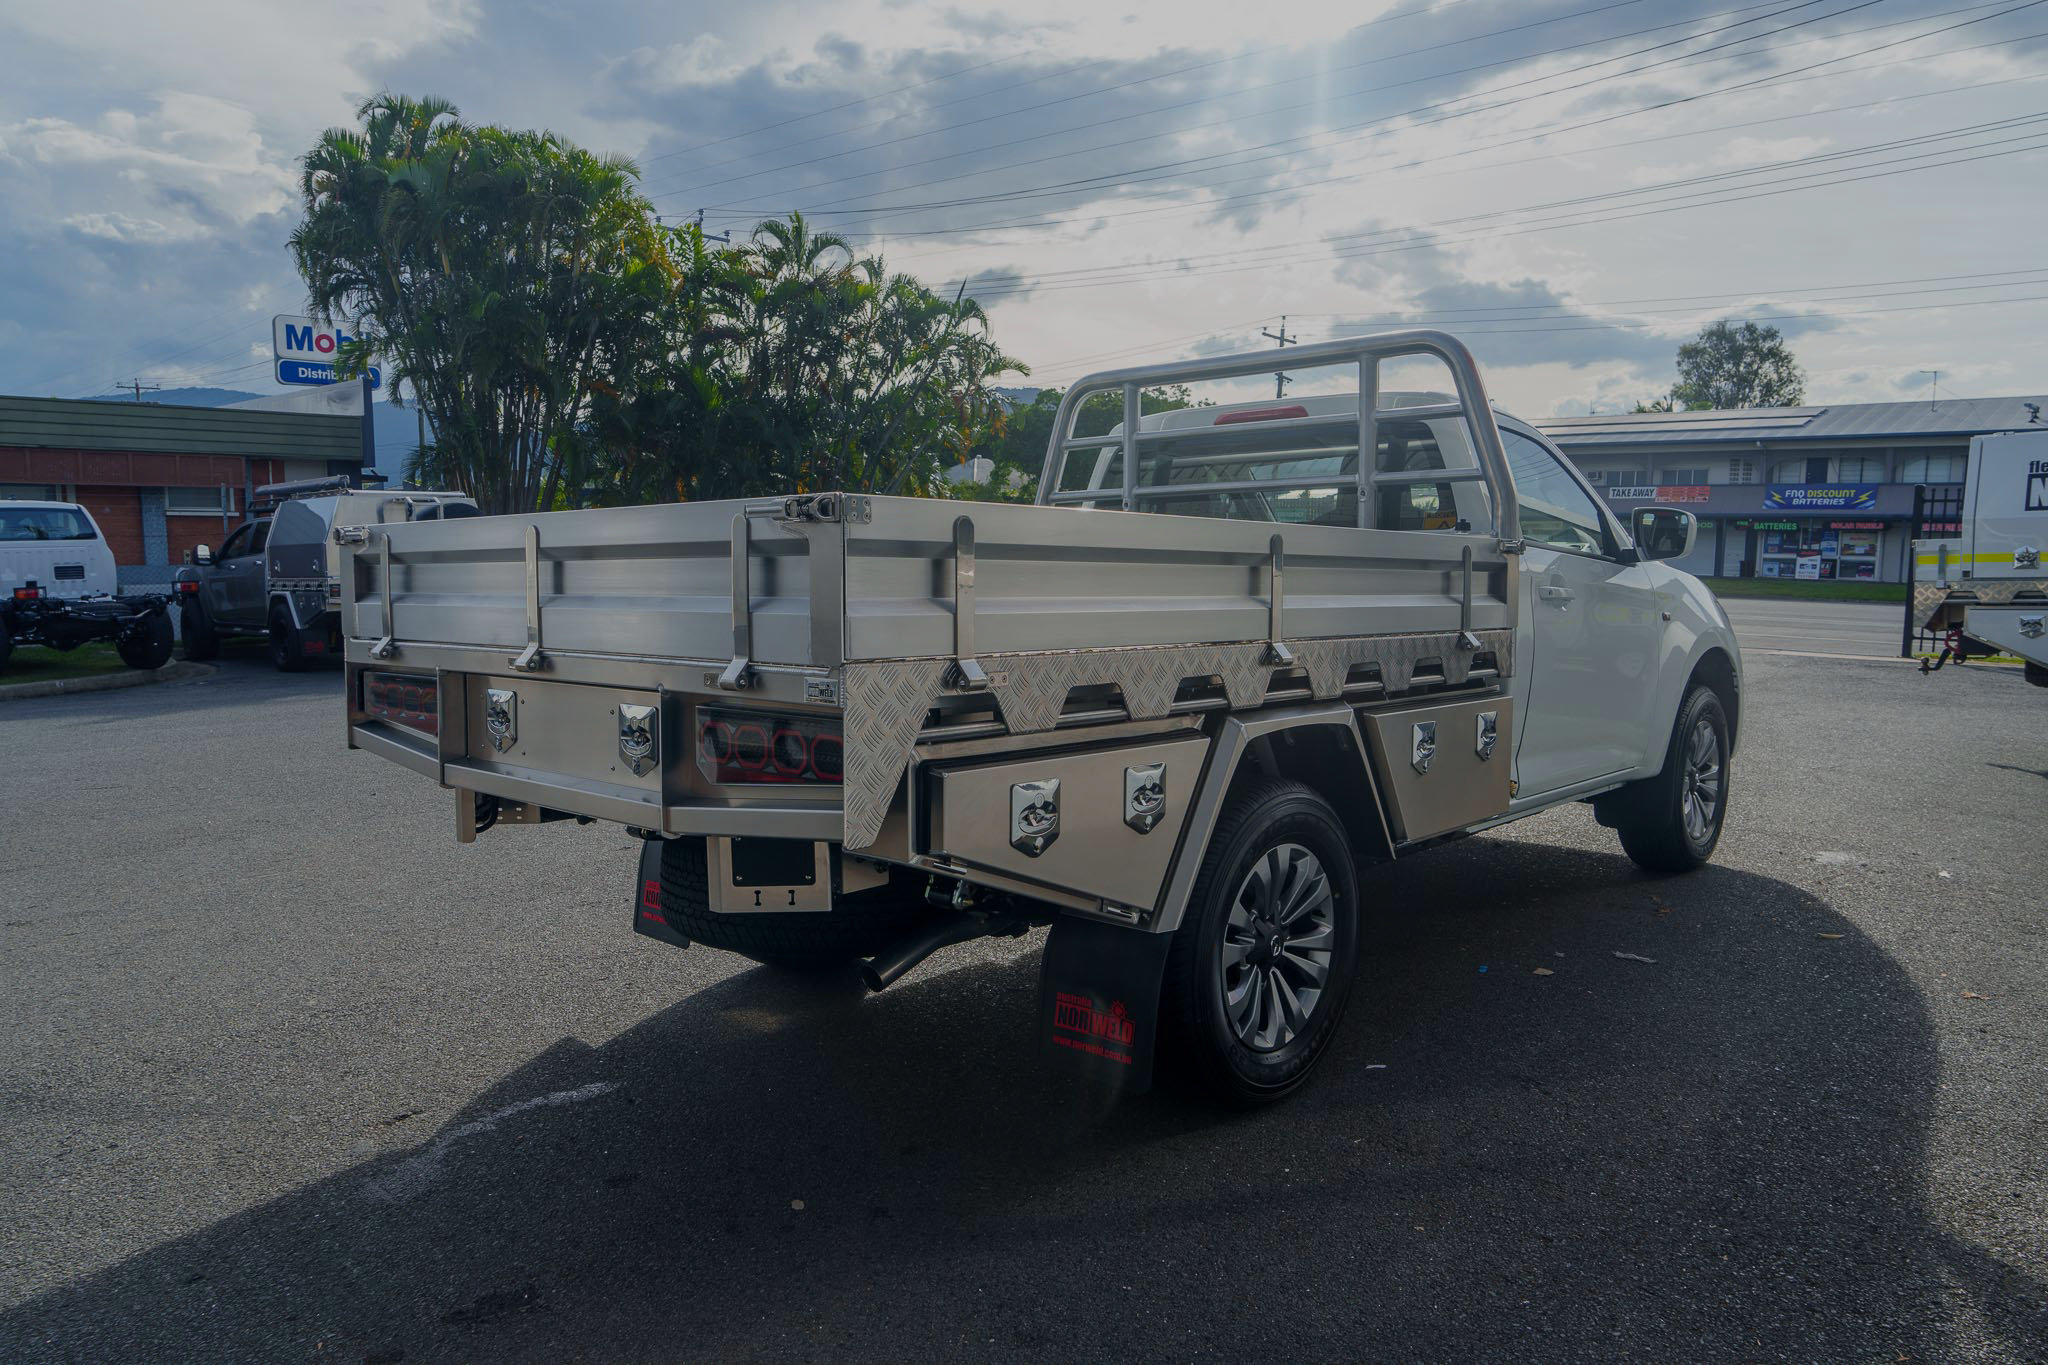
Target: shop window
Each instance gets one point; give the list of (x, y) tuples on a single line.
[(1861, 469), (1685, 478), (29, 492), (1818, 549), (1742, 471), (1629, 478), (216, 501)]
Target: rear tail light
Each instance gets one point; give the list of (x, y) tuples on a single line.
[(27, 594), (406, 699), (749, 747), (188, 587)]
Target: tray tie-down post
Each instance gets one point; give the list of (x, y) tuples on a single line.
[(1467, 639), (738, 675), (388, 645), (1277, 652), (966, 672), (533, 658)]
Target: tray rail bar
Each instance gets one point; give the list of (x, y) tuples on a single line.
[(1367, 353)]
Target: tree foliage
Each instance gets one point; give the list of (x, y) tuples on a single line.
[(568, 347), (1737, 366), (789, 364)]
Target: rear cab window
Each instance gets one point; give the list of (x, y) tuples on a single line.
[(18, 524)]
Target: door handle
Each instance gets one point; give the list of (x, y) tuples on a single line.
[(1551, 592)]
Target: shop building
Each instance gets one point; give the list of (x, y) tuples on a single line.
[(1812, 492), (160, 479)]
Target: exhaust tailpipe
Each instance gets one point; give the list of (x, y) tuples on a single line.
[(888, 966)]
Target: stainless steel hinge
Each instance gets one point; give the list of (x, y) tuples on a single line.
[(852, 508)]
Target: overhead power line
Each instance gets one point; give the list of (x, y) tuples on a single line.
[(1122, 177), (1426, 240), (1012, 114)]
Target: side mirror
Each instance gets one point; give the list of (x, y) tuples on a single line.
[(201, 554), (1663, 532)]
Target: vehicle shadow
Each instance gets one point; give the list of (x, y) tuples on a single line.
[(1717, 1153)]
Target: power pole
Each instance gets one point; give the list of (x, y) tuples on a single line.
[(1280, 381), (725, 237), (138, 386)]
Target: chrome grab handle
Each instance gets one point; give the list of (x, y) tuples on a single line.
[(1551, 592)]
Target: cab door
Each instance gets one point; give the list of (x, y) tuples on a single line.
[(1588, 635), (235, 595)]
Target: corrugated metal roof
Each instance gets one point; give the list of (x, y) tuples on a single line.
[(1951, 417), (91, 424)]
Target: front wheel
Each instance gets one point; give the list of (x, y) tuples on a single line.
[(148, 644), (197, 632), (1261, 968), (1671, 822)]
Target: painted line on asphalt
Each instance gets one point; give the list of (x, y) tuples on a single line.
[(1856, 658), (411, 1176)]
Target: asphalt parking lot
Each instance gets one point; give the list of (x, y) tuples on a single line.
[(291, 1074)]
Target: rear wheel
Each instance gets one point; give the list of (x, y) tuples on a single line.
[(6, 645), (1261, 968), (147, 645), (1671, 822), (858, 925), (287, 644), (200, 641)]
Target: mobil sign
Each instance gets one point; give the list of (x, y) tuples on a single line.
[(306, 351)]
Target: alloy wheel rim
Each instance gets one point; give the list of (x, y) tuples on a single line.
[(1279, 941), (1700, 800)]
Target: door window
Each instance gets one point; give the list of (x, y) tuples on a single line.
[(236, 544), (1556, 512), (259, 536)]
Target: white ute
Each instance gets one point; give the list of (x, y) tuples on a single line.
[(1177, 712), (57, 588)]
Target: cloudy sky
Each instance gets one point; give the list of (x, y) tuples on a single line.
[(1572, 185)]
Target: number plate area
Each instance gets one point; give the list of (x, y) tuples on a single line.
[(749, 875)]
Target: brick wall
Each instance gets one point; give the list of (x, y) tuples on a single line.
[(119, 513), (186, 532)]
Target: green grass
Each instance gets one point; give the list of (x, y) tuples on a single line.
[(34, 663), (1808, 589)]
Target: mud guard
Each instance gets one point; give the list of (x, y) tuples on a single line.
[(647, 916), (1098, 1002)]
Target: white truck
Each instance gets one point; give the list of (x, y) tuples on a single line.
[(1177, 712), (58, 588), (1985, 586)]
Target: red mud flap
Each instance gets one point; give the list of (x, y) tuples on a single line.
[(647, 916), (1098, 1001)]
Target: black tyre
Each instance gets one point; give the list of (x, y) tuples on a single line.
[(858, 925), (147, 645), (197, 632), (6, 646), (1261, 969), (287, 644), (1671, 822), (2037, 675)]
